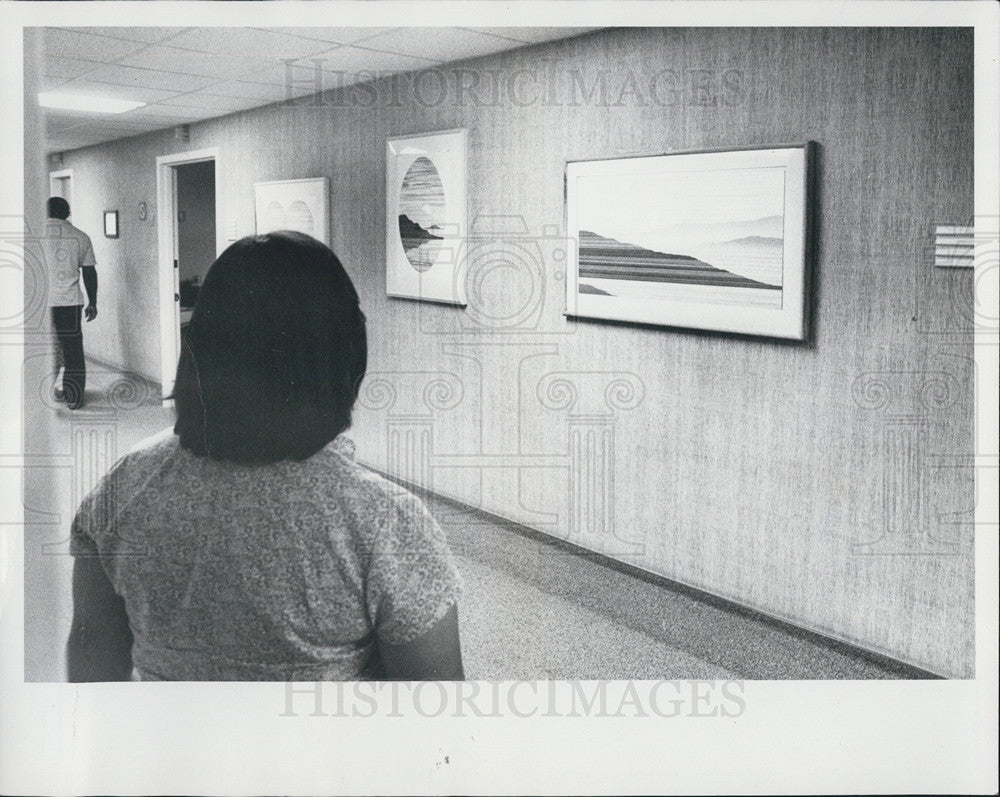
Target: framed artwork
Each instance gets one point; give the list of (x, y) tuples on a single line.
[(425, 216), (704, 240), (111, 224), (302, 205)]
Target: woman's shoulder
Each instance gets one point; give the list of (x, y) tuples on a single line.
[(149, 451), (163, 441), (362, 486), (125, 479)]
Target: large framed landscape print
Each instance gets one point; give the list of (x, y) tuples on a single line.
[(426, 216), (704, 240)]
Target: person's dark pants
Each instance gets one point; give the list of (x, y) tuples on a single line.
[(69, 341)]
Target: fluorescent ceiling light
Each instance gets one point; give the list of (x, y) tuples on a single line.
[(80, 102)]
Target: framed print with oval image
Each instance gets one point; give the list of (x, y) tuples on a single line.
[(425, 216)]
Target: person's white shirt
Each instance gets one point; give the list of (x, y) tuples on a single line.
[(66, 250)]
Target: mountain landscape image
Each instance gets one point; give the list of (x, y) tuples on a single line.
[(671, 234), (421, 212), (413, 235), (605, 258)]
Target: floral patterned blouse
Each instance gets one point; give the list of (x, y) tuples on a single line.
[(284, 571)]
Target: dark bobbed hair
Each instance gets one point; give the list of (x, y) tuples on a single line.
[(273, 358), (58, 208)]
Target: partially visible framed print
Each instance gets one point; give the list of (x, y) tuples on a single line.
[(425, 216), (705, 240), (301, 205)]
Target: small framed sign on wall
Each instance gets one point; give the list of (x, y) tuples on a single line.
[(704, 240), (111, 224)]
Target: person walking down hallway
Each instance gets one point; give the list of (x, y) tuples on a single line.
[(68, 254)]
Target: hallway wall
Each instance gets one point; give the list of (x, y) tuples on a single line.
[(825, 483)]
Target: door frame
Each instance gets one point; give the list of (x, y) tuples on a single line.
[(166, 225), (62, 174)]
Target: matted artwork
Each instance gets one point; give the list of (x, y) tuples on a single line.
[(302, 205), (425, 216), (707, 240)]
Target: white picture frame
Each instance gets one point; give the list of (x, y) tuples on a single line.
[(713, 240), (426, 179), (111, 224), (302, 205)]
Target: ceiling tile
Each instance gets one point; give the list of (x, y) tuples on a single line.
[(240, 41), (190, 74), (75, 43), (215, 102), (339, 67), (95, 89), (300, 77), (533, 35), (221, 66), (149, 35), (264, 92), (332, 35), (57, 66), (362, 58), (51, 83), (149, 78), (442, 44)]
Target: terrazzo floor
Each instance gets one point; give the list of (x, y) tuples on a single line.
[(534, 608)]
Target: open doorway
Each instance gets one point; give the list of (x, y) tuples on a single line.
[(61, 184), (189, 241), (195, 221)]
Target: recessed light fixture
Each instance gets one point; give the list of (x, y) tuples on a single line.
[(81, 102)]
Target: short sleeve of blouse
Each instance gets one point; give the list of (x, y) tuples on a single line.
[(89, 519), (94, 518), (412, 579)]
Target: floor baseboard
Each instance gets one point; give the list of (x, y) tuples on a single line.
[(899, 669)]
